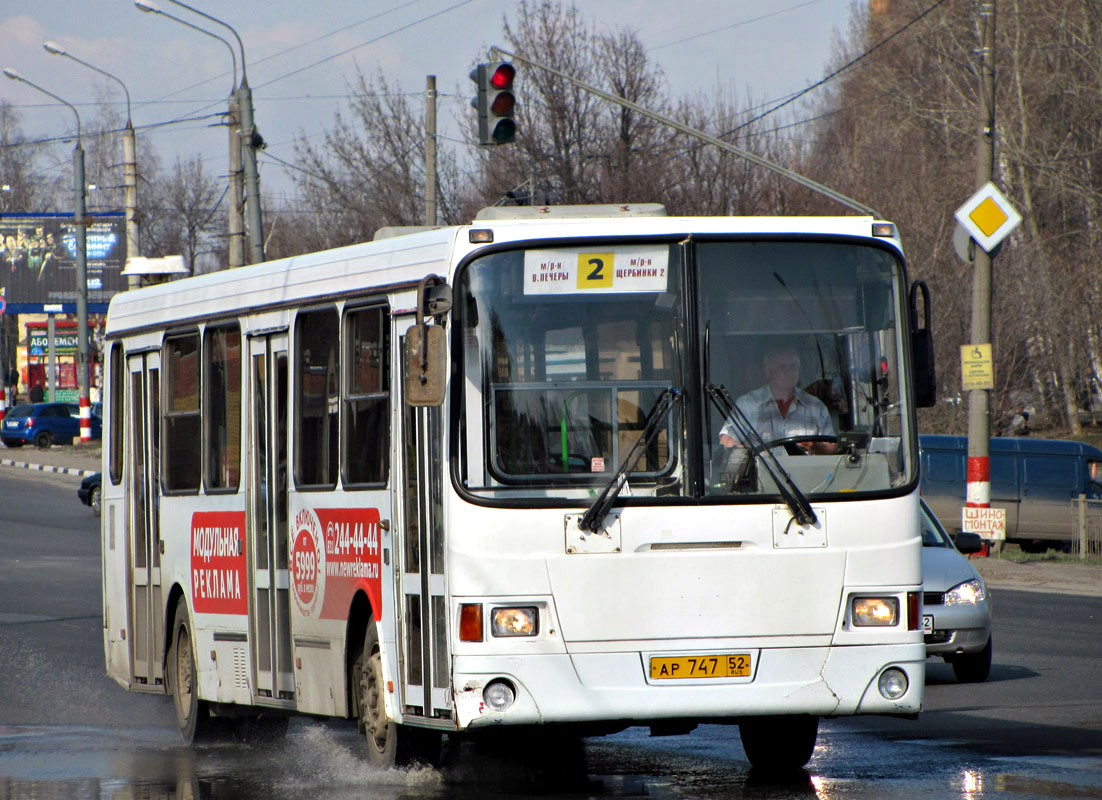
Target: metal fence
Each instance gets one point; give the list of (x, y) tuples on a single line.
[(1086, 517)]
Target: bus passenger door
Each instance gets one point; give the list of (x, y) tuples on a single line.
[(142, 504), (267, 521), (423, 631)]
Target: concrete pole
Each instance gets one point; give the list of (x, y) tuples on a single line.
[(130, 194), (249, 141), (236, 226), (51, 358), (979, 400), (430, 149), (81, 225)]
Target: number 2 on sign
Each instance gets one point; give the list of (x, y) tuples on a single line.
[(595, 270)]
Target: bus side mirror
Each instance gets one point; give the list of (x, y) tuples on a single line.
[(426, 345), (922, 348)]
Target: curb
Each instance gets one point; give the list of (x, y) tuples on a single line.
[(84, 473)]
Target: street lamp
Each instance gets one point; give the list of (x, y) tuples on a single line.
[(235, 221), (250, 137), (250, 142), (130, 160), (81, 225), (152, 8)]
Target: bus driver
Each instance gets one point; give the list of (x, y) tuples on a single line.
[(780, 409)]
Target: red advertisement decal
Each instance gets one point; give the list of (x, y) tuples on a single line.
[(352, 557), (306, 561), (218, 563)]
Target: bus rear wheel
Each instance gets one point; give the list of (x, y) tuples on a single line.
[(192, 714), (779, 744), (388, 744)]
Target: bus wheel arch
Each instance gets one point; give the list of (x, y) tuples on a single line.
[(360, 615), (193, 716), (175, 597)]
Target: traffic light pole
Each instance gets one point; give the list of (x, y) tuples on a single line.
[(807, 183)]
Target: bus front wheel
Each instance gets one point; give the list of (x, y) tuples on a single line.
[(779, 744), (388, 743)]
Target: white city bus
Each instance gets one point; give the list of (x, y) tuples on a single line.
[(470, 477)]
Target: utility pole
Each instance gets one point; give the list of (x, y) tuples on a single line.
[(979, 400), (236, 195), (130, 194), (250, 143), (430, 149), (129, 157)]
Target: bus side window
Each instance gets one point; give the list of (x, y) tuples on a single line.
[(181, 414), (222, 406), (317, 407), (366, 396)]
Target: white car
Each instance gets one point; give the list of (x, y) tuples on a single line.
[(956, 608)]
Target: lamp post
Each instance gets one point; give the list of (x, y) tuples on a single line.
[(130, 161), (81, 225), (235, 221), (250, 142), (250, 138)]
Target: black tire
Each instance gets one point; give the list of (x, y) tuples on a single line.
[(779, 744), (94, 500), (43, 440), (387, 744), (973, 667), (192, 714)]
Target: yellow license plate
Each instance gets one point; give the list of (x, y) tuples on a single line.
[(728, 665)]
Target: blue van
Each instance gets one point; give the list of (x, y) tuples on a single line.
[(1035, 480)]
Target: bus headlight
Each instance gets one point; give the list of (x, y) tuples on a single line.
[(522, 621), (883, 611)]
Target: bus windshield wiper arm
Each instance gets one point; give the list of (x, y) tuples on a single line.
[(591, 520), (796, 500)]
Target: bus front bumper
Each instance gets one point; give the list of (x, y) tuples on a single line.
[(618, 687)]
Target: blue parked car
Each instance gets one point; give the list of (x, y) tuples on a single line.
[(44, 424)]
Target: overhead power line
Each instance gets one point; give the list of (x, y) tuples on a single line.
[(836, 72)]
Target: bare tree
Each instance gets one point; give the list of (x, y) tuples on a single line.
[(24, 185), (182, 216), (368, 172)]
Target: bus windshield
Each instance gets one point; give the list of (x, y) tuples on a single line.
[(785, 357)]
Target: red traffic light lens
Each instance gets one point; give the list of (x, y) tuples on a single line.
[(503, 76), (503, 104)]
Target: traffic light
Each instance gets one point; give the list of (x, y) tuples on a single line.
[(495, 102)]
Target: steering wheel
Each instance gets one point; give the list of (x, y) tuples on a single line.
[(791, 444)]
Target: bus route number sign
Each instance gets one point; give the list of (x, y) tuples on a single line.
[(728, 665)]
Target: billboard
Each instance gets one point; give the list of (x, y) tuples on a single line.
[(38, 259)]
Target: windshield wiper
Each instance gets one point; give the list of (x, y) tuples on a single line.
[(591, 520), (796, 500)]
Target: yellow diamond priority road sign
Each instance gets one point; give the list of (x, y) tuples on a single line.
[(988, 216)]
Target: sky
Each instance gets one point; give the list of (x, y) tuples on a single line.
[(301, 57)]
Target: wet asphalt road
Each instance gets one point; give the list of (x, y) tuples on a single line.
[(1034, 730)]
